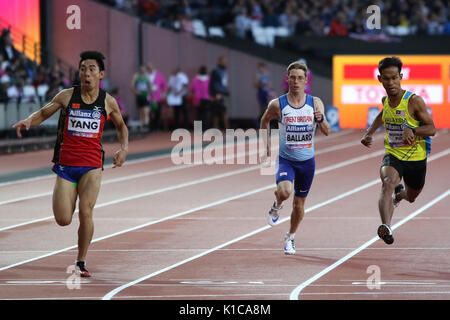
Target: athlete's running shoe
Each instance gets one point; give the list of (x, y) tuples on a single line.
[(81, 266), (273, 214), (289, 245), (397, 190), (385, 233)]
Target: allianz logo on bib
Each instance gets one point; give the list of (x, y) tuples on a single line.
[(93, 114)]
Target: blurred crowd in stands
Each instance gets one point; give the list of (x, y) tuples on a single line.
[(23, 80), (299, 17)]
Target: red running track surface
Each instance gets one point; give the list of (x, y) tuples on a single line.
[(198, 232)]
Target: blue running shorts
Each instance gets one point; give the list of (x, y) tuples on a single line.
[(70, 173), (299, 172)]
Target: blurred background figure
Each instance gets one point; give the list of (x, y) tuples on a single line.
[(141, 88), (218, 90), (201, 100), (157, 93), (177, 88)]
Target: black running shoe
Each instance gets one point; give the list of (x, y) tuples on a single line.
[(385, 233), (81, 265), (397, 190)]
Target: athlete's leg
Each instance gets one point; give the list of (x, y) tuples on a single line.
[(389, 179), (298, 211), (88, 189), (64, 200), (283, 191)]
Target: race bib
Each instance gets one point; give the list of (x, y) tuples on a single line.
[(84, 123), (299, 136), (395, 135)]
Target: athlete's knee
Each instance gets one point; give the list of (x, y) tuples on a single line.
[(411, 197), (85, 215), (388, 184), (63, 220), (283, 194), (298, 208)]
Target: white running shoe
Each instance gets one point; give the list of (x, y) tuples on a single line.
[(289, 245), (273, 215)]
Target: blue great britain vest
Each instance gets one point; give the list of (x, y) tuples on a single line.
[(297, 129)]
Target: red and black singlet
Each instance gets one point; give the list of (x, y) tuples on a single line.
[(80, 129)]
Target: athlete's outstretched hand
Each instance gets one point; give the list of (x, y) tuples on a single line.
[(119, 158), (24, 124), (367, 140)]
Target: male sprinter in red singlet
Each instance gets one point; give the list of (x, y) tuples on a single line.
[(78, 155), (407, 143), (297, 113)]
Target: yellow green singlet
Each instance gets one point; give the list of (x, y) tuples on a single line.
[(394, 121)]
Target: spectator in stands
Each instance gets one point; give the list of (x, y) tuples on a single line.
[(218, 90), (288, 18), (157, 95), (7, 48), (243, 24), (302, 27), (201, 100), (270, 19), (337, 26)]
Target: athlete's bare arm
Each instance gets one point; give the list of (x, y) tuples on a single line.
[(112, 109), (418, 110), (272, 112), (378, 122), (61, 100), (319, 114)]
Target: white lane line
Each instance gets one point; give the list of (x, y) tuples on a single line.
[(196, 149), (208, 205), (343, 195), (295, 293), (146, 194), (172, 168), (112, 293), (357, 159), (338, 165)]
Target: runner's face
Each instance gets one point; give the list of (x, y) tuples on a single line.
[(296, 80), (90, 74), (390, 78)]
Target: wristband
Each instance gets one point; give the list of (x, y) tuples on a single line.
[(412, 128), (323, 118)]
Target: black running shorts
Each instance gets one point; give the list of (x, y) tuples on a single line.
[(413, 172)]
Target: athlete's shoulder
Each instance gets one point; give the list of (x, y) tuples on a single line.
[(63, 97), (110, 102), (416, 99), (274, 103), (383, 99)]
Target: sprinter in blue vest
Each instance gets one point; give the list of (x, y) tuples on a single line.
[(298, 114)]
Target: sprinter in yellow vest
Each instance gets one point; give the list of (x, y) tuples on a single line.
[(407, 142)]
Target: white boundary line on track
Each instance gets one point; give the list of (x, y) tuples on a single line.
[(169, 169), (112, 293), (186, 184), (338, 165), (296, 292), (210, 205), (344, 163), (195, 150)]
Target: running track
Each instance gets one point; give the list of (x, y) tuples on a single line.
[(198, 232)]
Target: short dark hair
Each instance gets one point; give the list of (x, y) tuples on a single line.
[(95, 55), (390, 62)]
